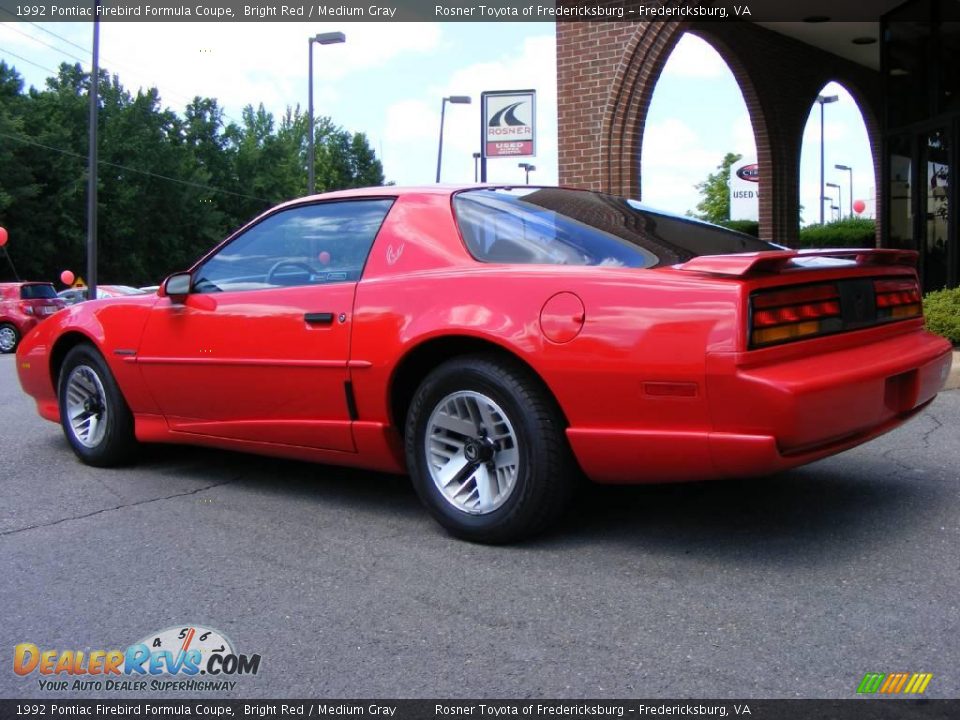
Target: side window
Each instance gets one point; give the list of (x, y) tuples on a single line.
[(305, 245)]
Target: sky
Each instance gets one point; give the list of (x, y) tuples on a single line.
[(388, 80)]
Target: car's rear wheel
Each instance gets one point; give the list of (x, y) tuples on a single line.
[(486, 450), (9, 338), (95, 417)]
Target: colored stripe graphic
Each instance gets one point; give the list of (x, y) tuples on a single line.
[(918, 683), (870, 683), (894, 683)]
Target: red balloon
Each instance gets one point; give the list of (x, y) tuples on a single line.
[(859, 206), (3, 236), (67, 277), (324, 257)]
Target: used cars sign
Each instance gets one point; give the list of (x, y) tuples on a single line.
[(509, 118), (745, 190)]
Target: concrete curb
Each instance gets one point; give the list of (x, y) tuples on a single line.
[(953, 379)]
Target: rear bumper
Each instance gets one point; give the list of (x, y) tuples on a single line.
[(782, 411)]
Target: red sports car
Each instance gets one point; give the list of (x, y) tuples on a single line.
[(493, 342)]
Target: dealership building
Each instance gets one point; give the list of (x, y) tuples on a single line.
[(899, 61)]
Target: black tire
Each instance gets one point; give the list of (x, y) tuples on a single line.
[(116, 443), (544, 479), (9, 332)]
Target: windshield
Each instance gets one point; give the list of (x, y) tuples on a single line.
[(574, 227)]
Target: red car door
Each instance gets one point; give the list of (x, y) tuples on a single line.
[(258, 350)]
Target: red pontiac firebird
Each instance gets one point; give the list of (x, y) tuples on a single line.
[(493, 342)]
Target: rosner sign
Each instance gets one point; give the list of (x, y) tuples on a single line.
[(745, 190), (509, 121)]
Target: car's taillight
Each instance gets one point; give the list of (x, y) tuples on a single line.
[(795, 313), (26, 308), (898, 299)]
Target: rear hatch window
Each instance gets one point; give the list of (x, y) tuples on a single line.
[(558, 226), (38, 291)]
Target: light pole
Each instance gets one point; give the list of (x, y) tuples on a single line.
[(330, 38), (823, 100), (476, 161), (832, 208), (850, 171), (839, 196), (528, 168), (455, 100), (92, 162)]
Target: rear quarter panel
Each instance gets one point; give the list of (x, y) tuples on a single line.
[(641, 327)]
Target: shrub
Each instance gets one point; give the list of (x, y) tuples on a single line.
[(750, 227), (942, 311), (849, 233)]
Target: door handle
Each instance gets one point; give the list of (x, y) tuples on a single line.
[(319, 318)]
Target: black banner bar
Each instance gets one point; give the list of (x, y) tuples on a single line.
[(436, 10)]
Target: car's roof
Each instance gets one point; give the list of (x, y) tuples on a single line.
[(442, 189), (390, 190), (378, 191)]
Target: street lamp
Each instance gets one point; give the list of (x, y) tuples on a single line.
[(330, 38), (839, 195), (528, 168), (849, 170), (476, 160), (832, 208), (455, 100), (92, 156), (823, 100)]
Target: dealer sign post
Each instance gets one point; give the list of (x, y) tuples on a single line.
[(507, 125)]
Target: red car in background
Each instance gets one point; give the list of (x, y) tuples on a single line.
[(71, 296), (23, 305), (494, 342)]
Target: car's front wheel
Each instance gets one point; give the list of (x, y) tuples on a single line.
[(95, 417), (9, 338), (486, 449)]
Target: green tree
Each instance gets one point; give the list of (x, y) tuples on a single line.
[(16, 180), (169, 185), (47, 227), (715, 192)]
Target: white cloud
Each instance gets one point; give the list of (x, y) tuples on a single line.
[(253, 62), (675, 158), (694, 58), (410, 120), (412, 125)]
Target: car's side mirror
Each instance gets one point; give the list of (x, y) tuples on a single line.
[(176, 287)]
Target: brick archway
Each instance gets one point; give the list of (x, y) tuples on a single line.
[(625, 116), (606, 73)]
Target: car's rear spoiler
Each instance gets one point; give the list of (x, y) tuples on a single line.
[(775, 261)]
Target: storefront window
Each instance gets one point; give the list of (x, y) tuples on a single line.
[(937, 210), (900, 207)]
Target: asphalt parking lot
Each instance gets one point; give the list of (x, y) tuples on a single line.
[(792, 586)]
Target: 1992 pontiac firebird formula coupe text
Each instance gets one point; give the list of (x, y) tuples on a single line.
[(493, 342)]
